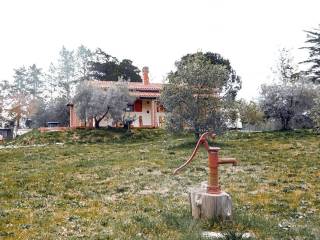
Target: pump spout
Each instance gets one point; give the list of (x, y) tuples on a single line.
[(232, 161)]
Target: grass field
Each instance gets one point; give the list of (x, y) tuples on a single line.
[(102, 184)]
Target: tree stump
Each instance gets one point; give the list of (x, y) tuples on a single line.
[(210, 206)]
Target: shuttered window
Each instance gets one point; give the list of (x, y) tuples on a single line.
[(138, 106)]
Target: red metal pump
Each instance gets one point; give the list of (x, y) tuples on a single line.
[(213, 162)]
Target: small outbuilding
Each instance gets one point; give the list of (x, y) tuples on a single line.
[(6, 133), (53, 124)]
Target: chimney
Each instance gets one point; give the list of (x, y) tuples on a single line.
[(145, 73)]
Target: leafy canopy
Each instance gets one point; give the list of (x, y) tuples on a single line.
[(104, 67), (196, 94)]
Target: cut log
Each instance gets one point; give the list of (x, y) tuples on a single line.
[(210, 206)]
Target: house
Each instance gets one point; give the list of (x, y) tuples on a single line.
[(146, 109)]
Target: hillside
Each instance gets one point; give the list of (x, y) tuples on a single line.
[(101, 135), (124, 189)]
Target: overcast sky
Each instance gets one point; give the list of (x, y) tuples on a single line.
[(157, 33)]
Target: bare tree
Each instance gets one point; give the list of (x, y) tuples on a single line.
[(286, 70)]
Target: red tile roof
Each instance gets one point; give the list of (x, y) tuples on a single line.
[(131, 85), (146, 94), (137, 89)]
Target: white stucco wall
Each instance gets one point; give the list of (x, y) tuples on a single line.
[(145, 114)]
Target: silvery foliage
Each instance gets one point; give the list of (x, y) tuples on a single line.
[(118, 100), (191, 96), (291, 97), (315, 112), (285, 102), (83, 99), (94, 102), (250, 112)]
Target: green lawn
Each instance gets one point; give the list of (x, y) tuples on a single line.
[(106, 185)]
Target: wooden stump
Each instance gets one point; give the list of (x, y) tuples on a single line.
[(210, 206)]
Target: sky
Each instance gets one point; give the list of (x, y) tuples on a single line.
[(157, 33)]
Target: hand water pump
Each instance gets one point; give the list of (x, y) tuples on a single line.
[(213, 161)]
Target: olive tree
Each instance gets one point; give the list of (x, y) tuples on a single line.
[(286, 102), (83, 99), (250, 112), (192, 97), (291, 97), (315, 114), (92, 101)]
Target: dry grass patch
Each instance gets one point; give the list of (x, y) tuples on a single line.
[(124, 189)]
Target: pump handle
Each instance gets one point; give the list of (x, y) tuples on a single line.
[(202, 140)]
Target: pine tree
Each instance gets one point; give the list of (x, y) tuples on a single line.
[(34, 81), (83, 57), (18, 96), (51, 81), (313, 40), (65, 71), (105, 67)]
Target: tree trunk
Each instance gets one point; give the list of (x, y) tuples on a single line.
[(285, 124), (210, 206), (196, 133), (18, 122), (97, 122)]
